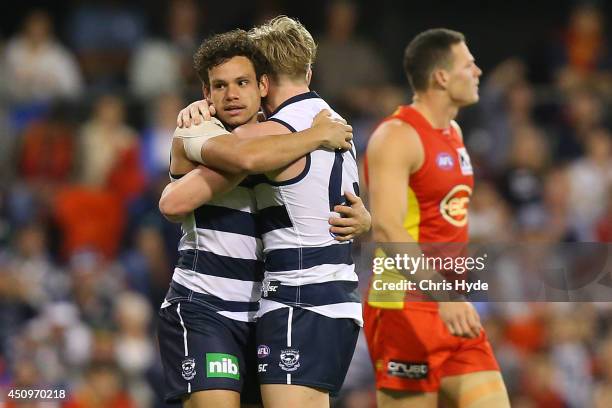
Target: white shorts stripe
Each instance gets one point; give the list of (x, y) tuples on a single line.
[(289, 320), (178, 311)]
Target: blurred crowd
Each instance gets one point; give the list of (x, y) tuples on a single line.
[(86, 258)]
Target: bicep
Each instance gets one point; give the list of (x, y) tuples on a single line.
[(260, 129), (392, 154), (179, 163), (388, 187)]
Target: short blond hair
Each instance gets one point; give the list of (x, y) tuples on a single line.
[(287, 45)]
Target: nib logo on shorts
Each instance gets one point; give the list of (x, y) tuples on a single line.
[(219, 365)]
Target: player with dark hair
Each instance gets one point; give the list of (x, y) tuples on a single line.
[(417, 158), (310, 284), (206, 330)]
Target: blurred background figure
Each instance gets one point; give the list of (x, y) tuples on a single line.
[(39, 68), (109, 150), (165, 65)]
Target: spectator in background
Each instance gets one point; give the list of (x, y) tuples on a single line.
[(135, 351), (95, 284), (47, 149), (110, 151), (103, 387), (57, 341), (582, 113), (602, 395), (590, 176), (166, 65), (528, 160), (555, 208), (104, 34), (157, 137), (349, 72), (584, 54), (38, 67), (506, 105), (571, 327), (147, 264), (489, 215), (540, 385), (603, 228), (36, 280)]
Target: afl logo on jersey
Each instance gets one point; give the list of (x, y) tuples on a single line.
[(445, 161), (454, 207)]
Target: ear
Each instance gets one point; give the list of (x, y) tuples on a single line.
[(308, 75), (264, 85), (440, 78), (206, 92)]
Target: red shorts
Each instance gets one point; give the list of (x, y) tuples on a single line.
[(412, 349)]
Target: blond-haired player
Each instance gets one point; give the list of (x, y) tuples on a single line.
[(310, 285)]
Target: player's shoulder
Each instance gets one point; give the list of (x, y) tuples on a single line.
[(394, 133)]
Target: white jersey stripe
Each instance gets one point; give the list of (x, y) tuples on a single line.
[(227, 289), (240, 198), (178, 311), (224, 243), (316, 274)]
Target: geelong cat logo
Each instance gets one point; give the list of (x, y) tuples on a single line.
[(188, 368), (454, 207)]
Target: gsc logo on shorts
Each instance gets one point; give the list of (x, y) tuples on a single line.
[(405, 369)]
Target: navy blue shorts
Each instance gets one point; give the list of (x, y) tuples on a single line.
[(203, 350), (297, 346)]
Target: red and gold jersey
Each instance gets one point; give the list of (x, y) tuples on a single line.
[(438, 192)]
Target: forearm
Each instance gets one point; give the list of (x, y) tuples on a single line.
[(258, 154), (195, 189)]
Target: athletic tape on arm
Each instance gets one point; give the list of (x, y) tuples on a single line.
[(195, 137)]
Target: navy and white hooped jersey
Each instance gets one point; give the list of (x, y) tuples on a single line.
[(304, 265), (220, 255)]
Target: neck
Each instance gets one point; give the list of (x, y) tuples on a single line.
[(282, 89), (436, 107)]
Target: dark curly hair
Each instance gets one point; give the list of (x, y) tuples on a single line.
[(219, 48)]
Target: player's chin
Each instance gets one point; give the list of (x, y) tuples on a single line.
[(233, 121), (470, 100)]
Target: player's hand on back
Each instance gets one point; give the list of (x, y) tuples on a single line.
[(461, 319), (195, 113), (338, 134), (354, 219)]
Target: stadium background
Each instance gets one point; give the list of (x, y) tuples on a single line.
[(89, 92)]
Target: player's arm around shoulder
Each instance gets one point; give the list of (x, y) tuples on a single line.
[(394, 152), (194, 186), (268, 146), (194, 189)]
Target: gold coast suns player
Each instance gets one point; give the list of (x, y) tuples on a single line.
[(417, 156)]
